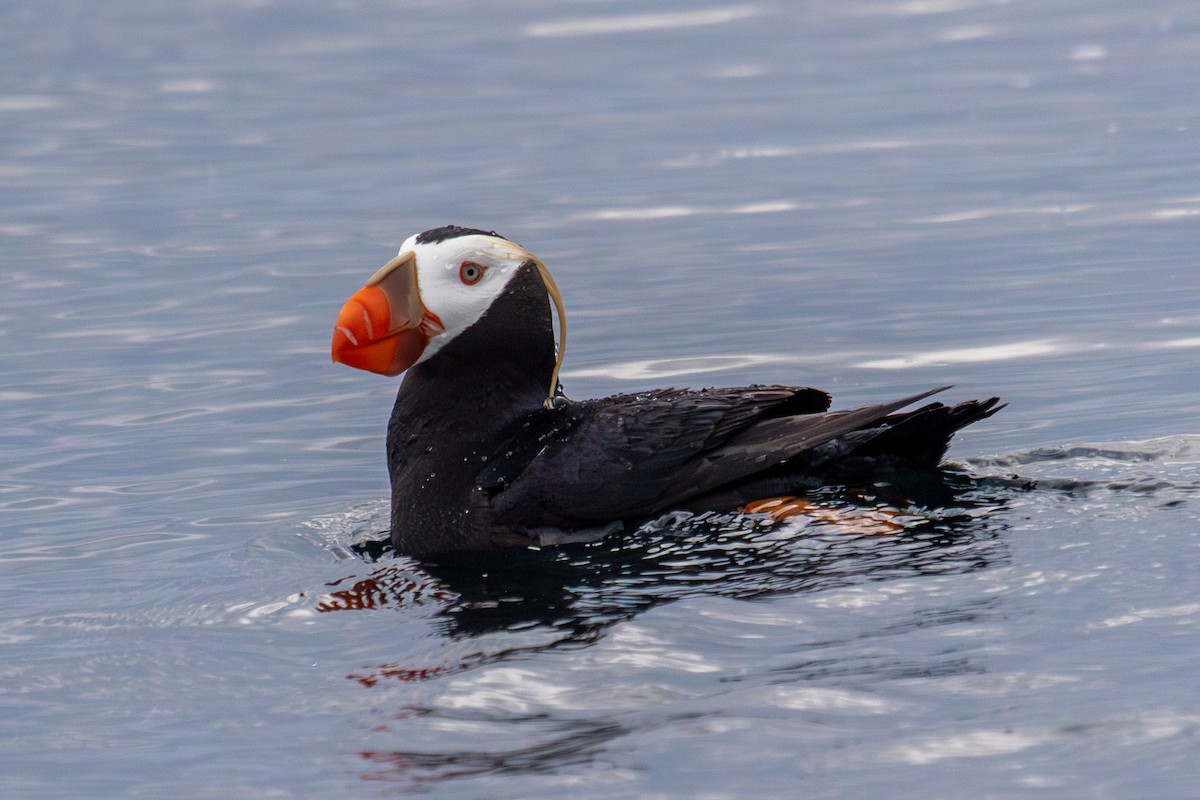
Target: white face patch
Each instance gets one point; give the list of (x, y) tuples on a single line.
[(460, 304)]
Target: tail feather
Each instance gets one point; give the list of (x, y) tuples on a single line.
[(892, 444), (920, 438)]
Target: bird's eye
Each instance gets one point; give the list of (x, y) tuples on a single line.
[(470, 273)]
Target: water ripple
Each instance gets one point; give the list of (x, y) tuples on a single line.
[(633, 23)]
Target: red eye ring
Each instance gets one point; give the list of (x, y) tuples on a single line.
[(471, 273)]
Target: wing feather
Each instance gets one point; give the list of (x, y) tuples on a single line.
[(636, 455)]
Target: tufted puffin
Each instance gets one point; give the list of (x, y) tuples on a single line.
[(485, 451)]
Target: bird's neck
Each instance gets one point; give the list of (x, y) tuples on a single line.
[(492, 373), (468, 400)]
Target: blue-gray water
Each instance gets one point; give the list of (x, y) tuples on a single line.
[(871, 196)]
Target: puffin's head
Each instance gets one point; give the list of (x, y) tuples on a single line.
[(441, 283)]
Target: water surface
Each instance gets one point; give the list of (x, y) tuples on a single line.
[(870, 197)]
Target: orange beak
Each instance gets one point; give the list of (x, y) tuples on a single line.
[(385, 327)]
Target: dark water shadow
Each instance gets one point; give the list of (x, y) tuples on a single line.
[(573, 743), (508, 606), (922, 524)]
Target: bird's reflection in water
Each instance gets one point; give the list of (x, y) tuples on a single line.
[(931, 523)]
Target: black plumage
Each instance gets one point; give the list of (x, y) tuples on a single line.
[(477, 461)]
